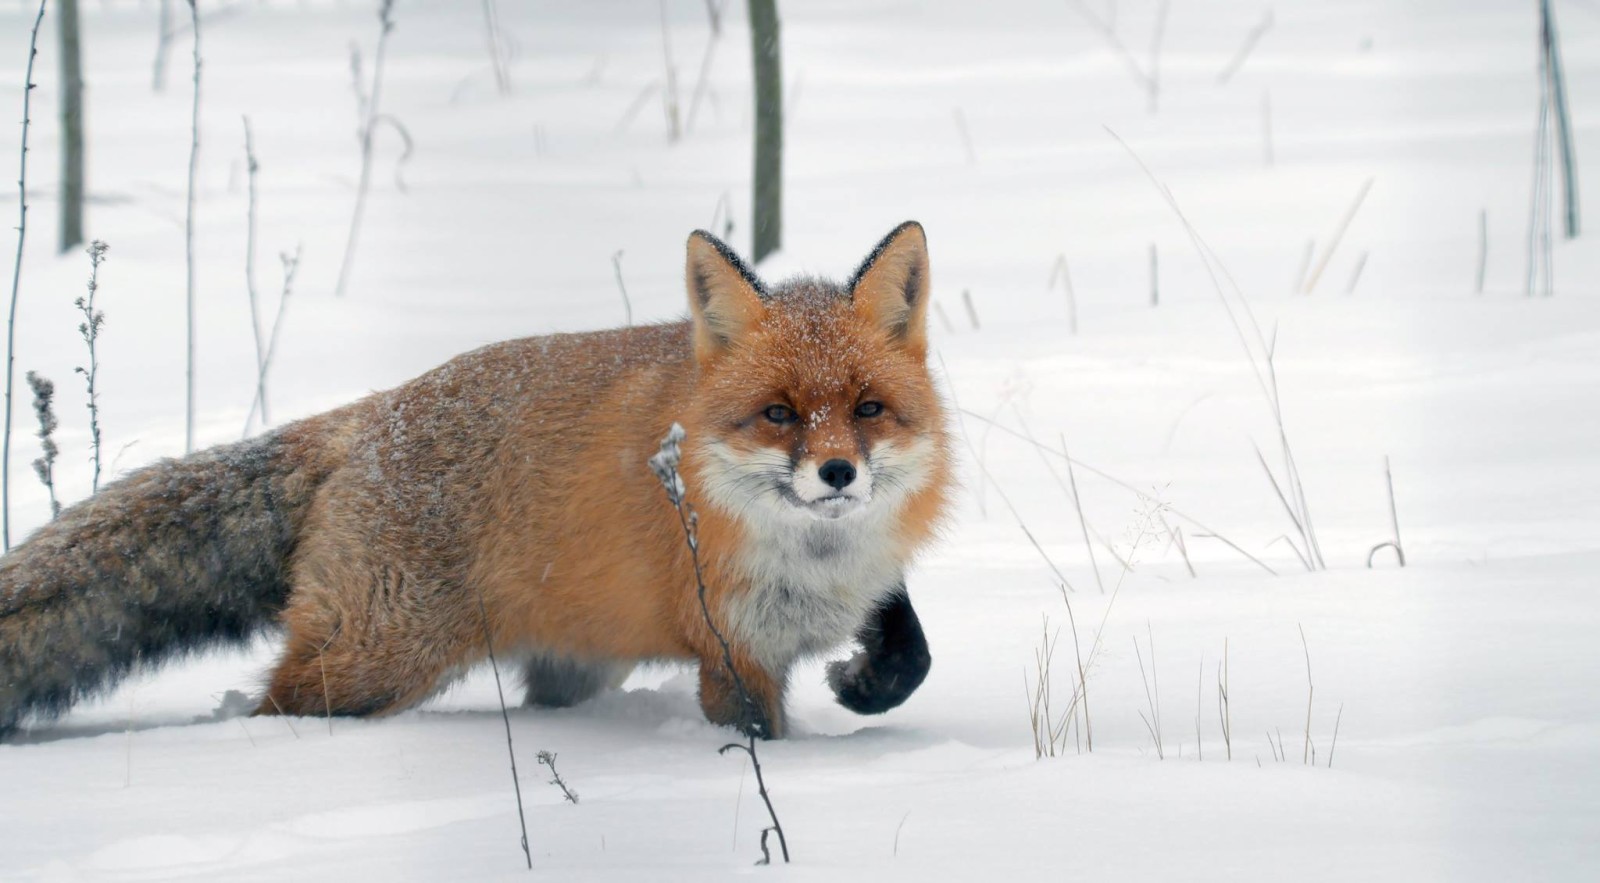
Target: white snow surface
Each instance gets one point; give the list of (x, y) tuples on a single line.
[(1463, 688)]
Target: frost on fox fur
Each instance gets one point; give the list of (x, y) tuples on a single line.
[(814, 576), (502, 499)]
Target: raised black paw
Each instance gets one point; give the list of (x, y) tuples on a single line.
[(893, 663)]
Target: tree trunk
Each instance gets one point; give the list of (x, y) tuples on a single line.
[(1558, 95), (71, 127), (767, 187)]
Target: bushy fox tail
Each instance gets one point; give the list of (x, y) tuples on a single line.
[(178, 556)]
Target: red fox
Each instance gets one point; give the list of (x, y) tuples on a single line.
[(504, 499)]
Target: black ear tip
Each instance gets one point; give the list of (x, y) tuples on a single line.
[(707, 237)]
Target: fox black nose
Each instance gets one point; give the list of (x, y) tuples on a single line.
[(837, 473)]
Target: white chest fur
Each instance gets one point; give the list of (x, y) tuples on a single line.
[(812, 584)]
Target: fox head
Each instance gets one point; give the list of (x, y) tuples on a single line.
[(815, 398)]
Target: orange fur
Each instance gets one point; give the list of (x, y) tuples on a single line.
[(513, 481)]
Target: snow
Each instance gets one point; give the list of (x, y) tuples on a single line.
[(1463, 685)]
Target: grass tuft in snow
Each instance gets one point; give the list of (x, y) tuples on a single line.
[(548, 758), (44, 393), (89, 328)]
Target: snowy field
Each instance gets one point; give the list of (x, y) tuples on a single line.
[(1464, 688)]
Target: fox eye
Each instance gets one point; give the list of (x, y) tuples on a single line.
[(780, 414), (869, 409)]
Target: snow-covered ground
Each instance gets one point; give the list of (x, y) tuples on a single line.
[(1463, 687)]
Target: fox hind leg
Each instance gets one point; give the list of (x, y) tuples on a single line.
[(561, 681)]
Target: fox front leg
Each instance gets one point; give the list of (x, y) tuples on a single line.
[(892, 664), (753, 703)]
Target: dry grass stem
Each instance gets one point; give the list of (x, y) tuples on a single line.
[(1394, 522), (1083, 523), (251, 167), (627, 306), (1258, 350), (43, 408), (1224, 710), (1249, 45), (505, 717), (966, 137), (1335, 744), (1106, 476), (188, 238), (291, 265), (1152, 724), (1060, 270), (1355, 275), (16, 278), (548, 758), (1338, 236), (665, 466), (1311, 692), (369, 116), (674, 120), (1267, 154)]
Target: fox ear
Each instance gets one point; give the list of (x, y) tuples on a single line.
[(724, 296), (891, 287)]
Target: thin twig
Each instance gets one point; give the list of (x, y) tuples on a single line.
[(367, 105), (1266, 131), (1259, 357), (1224, 712), (674, 127), (188, 239), (546, 758), (164, 34), (505, 717), (1250, 41), (635, 106), (1061, 270), (251, 167), (1338, 236), (89, 328), (491, 24), (1148, 81), (1153, 700), (703, 81), (1183, 547), (1311, 692), (1284, 538), (665, 466), (1158, 32), (282, 714), (966, 137), (627, 306), (1155, 278), (291, 263), (1305, 264), (1355, 275), (1083, 523), (1555, 72), (1337, 718), (16, 280), (1288, 509), (1394, 515), (1122, 484)]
